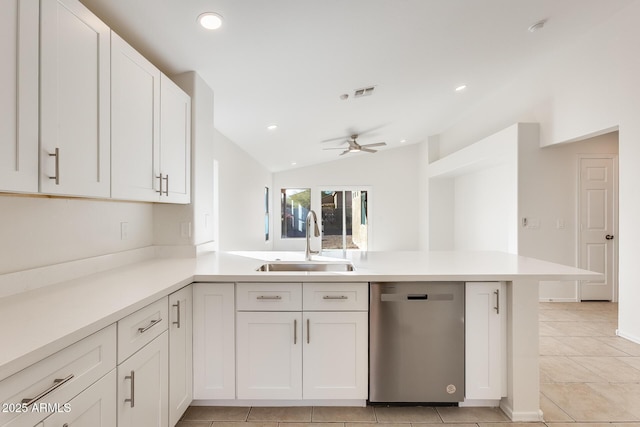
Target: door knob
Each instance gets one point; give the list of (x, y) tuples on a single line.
[(608, 237)]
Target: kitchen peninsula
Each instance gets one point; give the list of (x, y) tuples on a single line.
[(47, 320)]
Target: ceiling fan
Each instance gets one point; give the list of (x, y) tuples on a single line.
[(354, 147)]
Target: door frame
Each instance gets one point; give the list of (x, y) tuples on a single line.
[(614, 278), (316, 204)]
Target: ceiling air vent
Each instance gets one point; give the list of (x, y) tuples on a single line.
[(365, 91)]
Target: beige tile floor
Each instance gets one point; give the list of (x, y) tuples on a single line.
[(588, 378)]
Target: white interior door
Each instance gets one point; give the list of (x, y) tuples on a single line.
[(597, 215)]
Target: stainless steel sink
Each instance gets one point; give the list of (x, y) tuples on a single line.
[(306, 266)]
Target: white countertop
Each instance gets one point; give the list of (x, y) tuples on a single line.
[(39, 322)]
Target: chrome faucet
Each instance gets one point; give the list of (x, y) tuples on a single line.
[(316, 232)]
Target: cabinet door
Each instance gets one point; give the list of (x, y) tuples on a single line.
[(485, 346), (19, 100), (269, 355), (180, 353), (135, 124), (94, 407), (335, 355), (143, 386), (214, 356), (74, 100), (175, 142)]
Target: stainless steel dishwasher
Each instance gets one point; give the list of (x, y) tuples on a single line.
[(416, 348)]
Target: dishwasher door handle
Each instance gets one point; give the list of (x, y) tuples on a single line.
[(415, 297)]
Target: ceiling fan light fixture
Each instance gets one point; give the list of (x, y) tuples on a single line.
[(210, 20)]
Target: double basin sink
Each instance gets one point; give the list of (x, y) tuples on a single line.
[(306, 266)]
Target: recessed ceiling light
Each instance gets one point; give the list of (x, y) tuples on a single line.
[(272, 127), (461, 88), (402, 141), (210, 20), (293, 163)]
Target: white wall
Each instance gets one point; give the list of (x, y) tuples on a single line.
[(484, 209), (41, 231), (584, 89), (241, 184), (392, 175)]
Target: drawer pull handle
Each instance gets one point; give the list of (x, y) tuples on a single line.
[(149, 326), (132, 377), (308, 332), (57, 383), (295, 331), (497, 307), (269, 297), (335, 297), (177, 306)]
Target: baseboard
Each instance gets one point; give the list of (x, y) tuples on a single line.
[(626, 336), (558, 300), (276, 403), (480, 403), (520, 416)]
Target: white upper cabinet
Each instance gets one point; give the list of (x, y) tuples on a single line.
[(19, 99), (74, 101), (175, 143), (135, 124)]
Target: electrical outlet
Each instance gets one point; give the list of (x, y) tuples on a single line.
[(185, 229), (124, 231)]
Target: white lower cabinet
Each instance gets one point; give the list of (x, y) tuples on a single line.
[(335, 355), (320, 354), (214, 356), (94, 407), (143, 386), (485, 342), (44, 388), (180, 353), (269, 361)]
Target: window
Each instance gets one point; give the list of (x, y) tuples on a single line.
[(296, 204), (339, 210)]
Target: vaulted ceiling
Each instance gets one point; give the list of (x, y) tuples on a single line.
[(289, 62)]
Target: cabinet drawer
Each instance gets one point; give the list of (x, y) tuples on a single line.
[(56, 379), (335, 296), (140, 328), (269, 296)]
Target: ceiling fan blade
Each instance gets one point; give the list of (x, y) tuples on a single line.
[(341, 138), (368, 150), (377, 144), (334, 148), (345, 152)]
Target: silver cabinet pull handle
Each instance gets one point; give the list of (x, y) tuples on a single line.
[(269, 297), (149, 326), (497, 307), (132, 377), (166, 187), (56, 154), (160, 178), (308, 332), (295, 331), (335, 297), (57, 383), (177, 306)]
